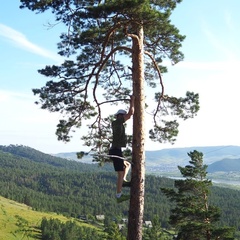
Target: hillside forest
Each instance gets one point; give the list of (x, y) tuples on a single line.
[(74, 189)]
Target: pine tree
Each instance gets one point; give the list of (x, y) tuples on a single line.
[(119, 47), (113, 232), (193, 217), (155, 232)]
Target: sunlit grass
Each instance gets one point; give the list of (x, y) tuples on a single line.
[(19, 221)]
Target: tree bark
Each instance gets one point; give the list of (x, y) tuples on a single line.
[(136, 208)]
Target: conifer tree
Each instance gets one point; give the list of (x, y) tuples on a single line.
[(193, 217), (115, 48), (113, 232), (155, 232)]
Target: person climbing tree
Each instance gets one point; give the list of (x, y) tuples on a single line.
[(121, 166)]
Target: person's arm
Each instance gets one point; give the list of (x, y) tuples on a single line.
[(131, 109)]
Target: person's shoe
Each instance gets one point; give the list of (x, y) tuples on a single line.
[(126, 184), (123, 198)]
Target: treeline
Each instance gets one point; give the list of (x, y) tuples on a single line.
[(75, 189), (55, 229)]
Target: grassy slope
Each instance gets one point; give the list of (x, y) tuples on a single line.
[(18, 221)]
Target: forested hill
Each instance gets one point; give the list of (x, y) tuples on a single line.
[(74, 189), (36, 156)]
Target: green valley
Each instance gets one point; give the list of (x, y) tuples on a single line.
[(43, 185)]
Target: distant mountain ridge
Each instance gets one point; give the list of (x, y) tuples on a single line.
[(210, 154), (225, 165), (169, 159), (218, 158)]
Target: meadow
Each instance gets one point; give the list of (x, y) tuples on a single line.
[(19, 221)]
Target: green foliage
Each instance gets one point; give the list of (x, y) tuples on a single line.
[(113, 232), (155, 232), (99, 45), (193, 216), (54, 229)]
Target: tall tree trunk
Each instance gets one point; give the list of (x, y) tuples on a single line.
[(136, 208)]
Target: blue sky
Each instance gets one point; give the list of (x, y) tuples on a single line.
[(211, 68)]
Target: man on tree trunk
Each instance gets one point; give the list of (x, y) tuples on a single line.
[(121, 166)]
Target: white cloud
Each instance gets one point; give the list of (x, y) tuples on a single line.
[(20, 40), (229, 20), (215, 66)]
